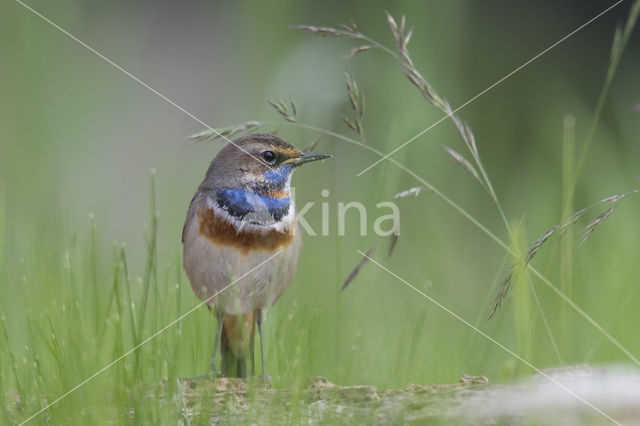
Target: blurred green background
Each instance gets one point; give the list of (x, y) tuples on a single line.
[(78, 137)]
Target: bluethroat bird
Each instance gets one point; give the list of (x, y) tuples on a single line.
[(241, 229)]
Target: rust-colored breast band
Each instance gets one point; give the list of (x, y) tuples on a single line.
[(221, 232), (275, 193)]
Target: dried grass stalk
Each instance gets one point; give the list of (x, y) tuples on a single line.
[(503, 290), (357, 102), (288, 113), (394, 241), (225, 132), (539, 242), (357, 50), (402, 37), (415, 191), (357, 269), (560, 229), (346, 31), (588, 230), (458, 158), (314, 144)]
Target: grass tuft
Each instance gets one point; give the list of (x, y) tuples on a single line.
[(225, 132)]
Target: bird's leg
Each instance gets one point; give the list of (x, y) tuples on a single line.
[(259, 321), (252, 352), (217, 343)]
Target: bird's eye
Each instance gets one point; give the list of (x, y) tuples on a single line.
[(268, 156)]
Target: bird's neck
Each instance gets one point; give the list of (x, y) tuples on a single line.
[(262, 207)]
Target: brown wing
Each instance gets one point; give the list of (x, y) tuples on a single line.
[(190, 214)]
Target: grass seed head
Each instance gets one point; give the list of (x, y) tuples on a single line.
[(354, 273)]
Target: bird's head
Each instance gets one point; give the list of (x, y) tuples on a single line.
[(259, 162)]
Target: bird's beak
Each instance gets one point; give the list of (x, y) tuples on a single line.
[(306, 157)]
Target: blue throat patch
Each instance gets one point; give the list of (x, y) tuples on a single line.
[(279, 175), (256, 208)]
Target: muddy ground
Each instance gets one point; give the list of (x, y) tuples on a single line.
[(567, 396)]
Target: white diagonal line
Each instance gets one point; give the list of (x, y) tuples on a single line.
[(128, 74), (130, 351), (491, 339), (492, 86)]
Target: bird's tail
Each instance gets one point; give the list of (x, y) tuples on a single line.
[(236, 344)]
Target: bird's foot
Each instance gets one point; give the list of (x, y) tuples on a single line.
[(265, 378), (214, 374), (209, 375)]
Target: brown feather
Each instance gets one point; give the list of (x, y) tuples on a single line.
[(219, 231), (238, 332), (274, 193)]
